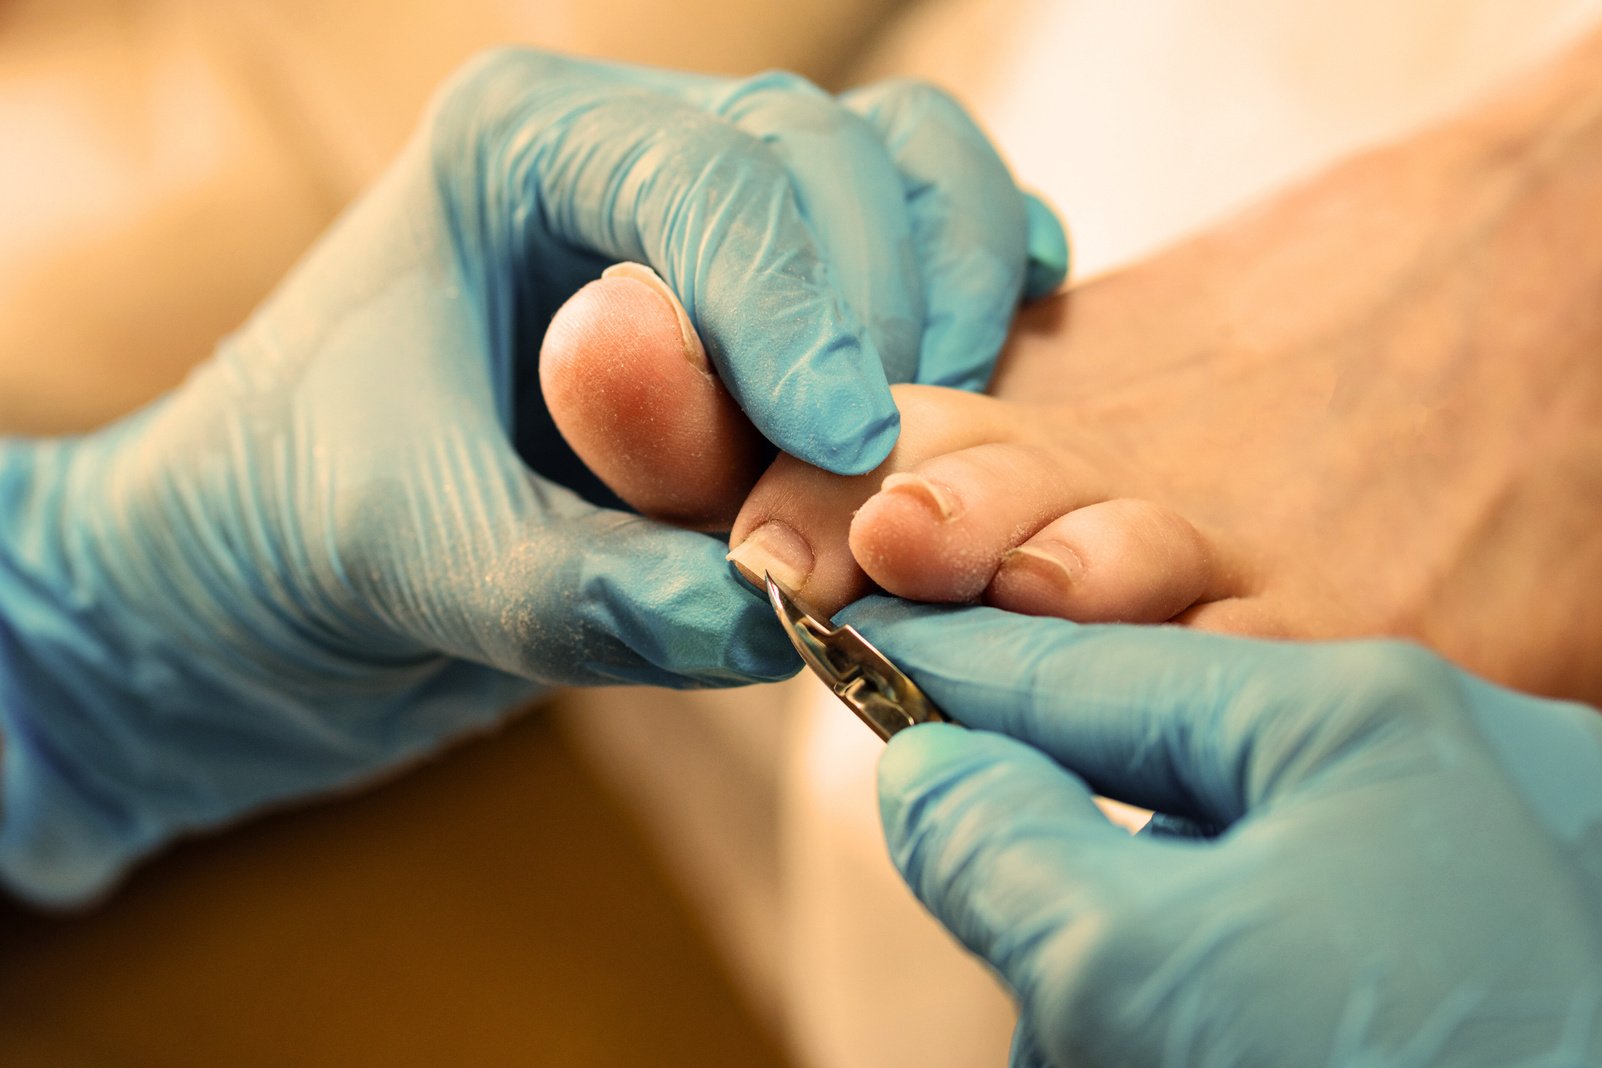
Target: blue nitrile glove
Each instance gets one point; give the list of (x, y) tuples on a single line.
[(1410, 874), (323, 553)]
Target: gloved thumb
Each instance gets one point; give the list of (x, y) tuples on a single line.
[(1196, 725), (1048, 249), (1004, 846)]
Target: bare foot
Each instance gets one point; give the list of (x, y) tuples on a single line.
[(1372, 407)]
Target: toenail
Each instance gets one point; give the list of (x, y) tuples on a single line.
[(1059, 564), (694, 351), (942, 500), (774, 548)]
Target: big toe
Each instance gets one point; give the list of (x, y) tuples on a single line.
[(628, 384)]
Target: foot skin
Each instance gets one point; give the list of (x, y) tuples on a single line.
[(981, 498), (1372, 407), (629, 386)]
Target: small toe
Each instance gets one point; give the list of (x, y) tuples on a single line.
[(1117, 561), (939, 531)]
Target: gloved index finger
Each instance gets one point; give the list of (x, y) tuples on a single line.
[(1049, 252), (718, 219), (849, 194), (652, 176), (1177, 721), (981, 242), (787, 347)]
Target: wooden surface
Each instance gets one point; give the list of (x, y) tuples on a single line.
[(492, 908)]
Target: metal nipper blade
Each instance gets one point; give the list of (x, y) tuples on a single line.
[(875, 689)]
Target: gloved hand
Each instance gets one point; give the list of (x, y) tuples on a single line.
[(1410, 874), (323, 553)]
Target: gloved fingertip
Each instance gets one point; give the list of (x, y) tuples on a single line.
[(959, 351), (856, 449), (1049, 256), (1025, 1051), (913, 759), (960, 374), (761, 653), (1163, 825)]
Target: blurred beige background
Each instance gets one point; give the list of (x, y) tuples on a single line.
[(496, 907)]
